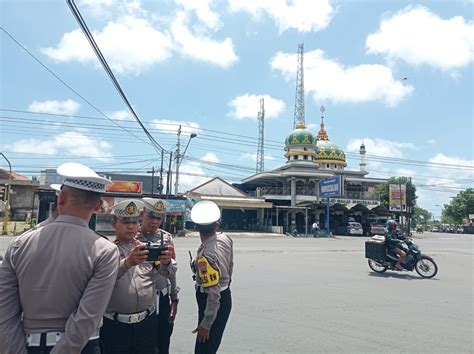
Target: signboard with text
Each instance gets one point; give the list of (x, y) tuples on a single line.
[(397, 196), (330, 187), (125, 187)]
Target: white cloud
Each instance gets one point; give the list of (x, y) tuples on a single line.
[(327, 79), (405, 172), (248, 106), (302, 15), (200, 46), (130, 45), (67, 107), (443, 182), (190, 172), (431, 141), (67, 143), (253, 157), (210, 157), (380, 147), (171, 126), (122, 114), (203, 11), (418, 36)]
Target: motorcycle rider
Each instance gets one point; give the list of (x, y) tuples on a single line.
[(393, 242)]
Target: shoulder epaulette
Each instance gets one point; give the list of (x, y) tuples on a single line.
[(102, 235)]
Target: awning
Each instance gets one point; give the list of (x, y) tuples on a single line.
[(357, 207), (238, 202)]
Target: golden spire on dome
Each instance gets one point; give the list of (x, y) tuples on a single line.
[(322, 134)]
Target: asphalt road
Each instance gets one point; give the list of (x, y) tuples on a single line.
[(318, 295)]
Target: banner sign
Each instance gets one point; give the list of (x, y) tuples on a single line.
[(397, 194), (176, 205), (330, 187), (125, 187)]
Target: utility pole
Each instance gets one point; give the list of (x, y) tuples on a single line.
[(161, 172), (152, 179), (168, 176), (176, 177), (260, 147)]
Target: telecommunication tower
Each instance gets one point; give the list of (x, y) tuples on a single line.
[(260, 149), (299, 96)]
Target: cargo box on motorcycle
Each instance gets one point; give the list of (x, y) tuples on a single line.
[(375, 248)]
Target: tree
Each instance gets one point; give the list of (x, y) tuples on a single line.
[(382, 191), (459, 208), (420, 216)]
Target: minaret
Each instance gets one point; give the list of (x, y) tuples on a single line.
[(322, 134), (362, 163)]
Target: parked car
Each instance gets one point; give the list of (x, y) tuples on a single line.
[(350, 228), (435, 229), (419, 229), (375, 228)]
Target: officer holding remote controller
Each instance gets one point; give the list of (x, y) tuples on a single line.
[(130, 320), (153, 214)]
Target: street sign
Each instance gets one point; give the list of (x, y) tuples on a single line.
[(330, 187)]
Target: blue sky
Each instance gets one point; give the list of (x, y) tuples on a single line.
[(204, 64)]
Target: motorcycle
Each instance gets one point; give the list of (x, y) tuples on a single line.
[(424, 265)]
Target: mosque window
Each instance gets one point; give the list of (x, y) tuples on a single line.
[(327, 166), (305, 157)]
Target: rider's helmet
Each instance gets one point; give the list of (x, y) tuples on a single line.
[(391, 225)]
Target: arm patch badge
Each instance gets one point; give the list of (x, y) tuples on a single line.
[(206, 273)]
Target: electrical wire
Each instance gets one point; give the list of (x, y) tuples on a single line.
[(82, 24), (65, 83)]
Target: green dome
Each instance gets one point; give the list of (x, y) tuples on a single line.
[(328, 151), (300, 136)]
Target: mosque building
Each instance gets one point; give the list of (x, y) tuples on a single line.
[(294, 188)]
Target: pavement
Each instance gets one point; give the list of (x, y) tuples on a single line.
[(307, 295)]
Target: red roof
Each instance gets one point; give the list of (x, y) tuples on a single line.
[(4, 174)]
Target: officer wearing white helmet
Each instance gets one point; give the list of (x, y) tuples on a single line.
[(130, 319), (153, 214), (213, 268), (56, 280)]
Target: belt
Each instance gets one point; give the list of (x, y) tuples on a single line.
[(132, 317), (51, 338), (201, 289)]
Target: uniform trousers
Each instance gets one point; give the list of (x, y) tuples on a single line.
[(165, 327), (217, 330), (125, 338), (92, 347)]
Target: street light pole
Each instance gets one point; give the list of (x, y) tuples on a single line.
[(6, 209)]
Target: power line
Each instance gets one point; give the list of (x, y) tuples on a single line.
[(370, 157), (64, 83), (75, 11)]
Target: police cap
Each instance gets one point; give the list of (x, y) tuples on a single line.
[(205, 212)]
